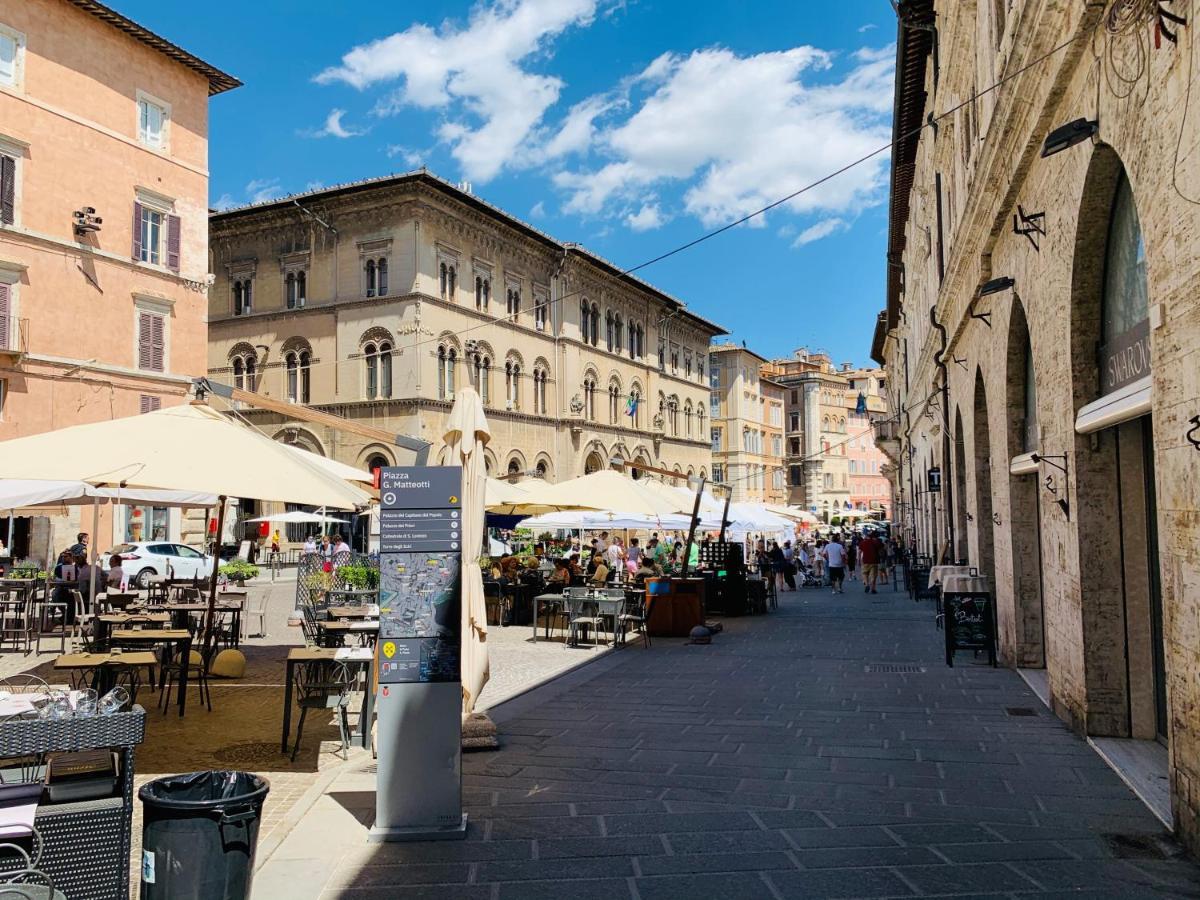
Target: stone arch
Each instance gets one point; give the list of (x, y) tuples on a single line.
[(298, 436), (483, 348), (543, 464), (243, 349), (514, 356), (296, 345), (1112, 478), (515, 464), (984, 556), (490, 465), (374, 335), (542, 363), (373, 452), (1024, 624), (450, 339)]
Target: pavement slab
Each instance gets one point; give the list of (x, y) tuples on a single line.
[(773, 763)]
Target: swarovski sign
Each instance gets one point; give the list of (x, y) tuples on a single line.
[(1125, 358)]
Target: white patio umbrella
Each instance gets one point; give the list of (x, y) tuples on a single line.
[(595, 521), (604, 490), (465, 437), (297, 516), (332, 466)]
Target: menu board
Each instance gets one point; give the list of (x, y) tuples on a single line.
[(970, 624)]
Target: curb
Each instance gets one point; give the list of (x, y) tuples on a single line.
[(300, 808)]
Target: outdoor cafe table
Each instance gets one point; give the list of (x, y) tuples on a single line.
[(180, 612), (298, 656), (541, 600), (177, 643), (938, 573), (109, 620), (105, 666), (340, 629), (353, 612)]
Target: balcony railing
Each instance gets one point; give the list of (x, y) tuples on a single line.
[(14, 340)]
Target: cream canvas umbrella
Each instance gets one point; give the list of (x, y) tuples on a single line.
[(181, 448), (465, 437), (508, 499), (332, 466), (604, 490)]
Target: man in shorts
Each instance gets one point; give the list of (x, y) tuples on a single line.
[(870, 550), (835, 556)]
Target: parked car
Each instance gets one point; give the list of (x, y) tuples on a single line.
[(141, 560)]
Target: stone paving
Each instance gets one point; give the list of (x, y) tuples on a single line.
[(787, 759)]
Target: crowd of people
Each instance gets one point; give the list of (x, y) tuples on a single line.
[(830, 561), (604, 560)]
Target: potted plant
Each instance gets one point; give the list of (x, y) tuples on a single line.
[(359, 576), (239, 571)]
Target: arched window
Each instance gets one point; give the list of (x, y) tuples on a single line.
[(251, 371), (1029, 435), (375, 463), (1125, 304), (481, 367), (290, 290), (589, 399), (441, 372), (292, 365), (483, 292), (540, 469), (614, 396), (514, 303), (239, 373), (595, 324), (444, 280), (541, 312), (541, 389), (301, 288), (635, 397), (243, 297), (371, 358), (512, 384), (585, 318), (618, 332), (447, 362), (687, 419), (372, 282), (305, 373), (385, 370), (381, 269), (608, 330), (514, 467)]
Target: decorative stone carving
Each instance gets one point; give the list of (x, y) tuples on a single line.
[(577, 405)]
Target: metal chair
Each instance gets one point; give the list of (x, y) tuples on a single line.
[(635, 614), (197, 669), (255, 607), (14, 617), (581, 614), (325, 685)]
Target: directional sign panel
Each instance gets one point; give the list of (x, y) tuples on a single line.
[(420, 487)]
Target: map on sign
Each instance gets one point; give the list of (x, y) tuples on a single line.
[(418, 595)]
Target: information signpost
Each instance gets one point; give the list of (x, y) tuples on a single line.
[(419, 738)]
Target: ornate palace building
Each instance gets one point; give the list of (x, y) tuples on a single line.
[(747, 426), (1042, 333), (378, 300)]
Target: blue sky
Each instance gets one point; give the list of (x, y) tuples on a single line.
[(631, 126)]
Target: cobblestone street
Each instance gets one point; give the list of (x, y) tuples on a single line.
[(823, 751)]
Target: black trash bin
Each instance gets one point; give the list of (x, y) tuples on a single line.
[(199, 832)]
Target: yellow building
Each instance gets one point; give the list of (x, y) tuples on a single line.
[(378, 300), (103, 229), (747, 426)]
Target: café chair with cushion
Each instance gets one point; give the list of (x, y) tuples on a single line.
[(324, 685)]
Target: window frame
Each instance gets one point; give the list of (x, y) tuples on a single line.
[(162, 309), (148, 99), (18, 78)]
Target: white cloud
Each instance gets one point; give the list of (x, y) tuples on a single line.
[(647, 218), (765, 133), (333, 127), (225, 201), (822, 229), (475, 74), (414, 159), (538, 211), (314, 186), (868, 27), (260, 190)]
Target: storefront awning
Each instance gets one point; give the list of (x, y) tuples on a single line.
[(1130, 402)]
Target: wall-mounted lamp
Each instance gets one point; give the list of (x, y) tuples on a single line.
[(1069, 135), (1062, 502), (1031, 225), (995, 286)]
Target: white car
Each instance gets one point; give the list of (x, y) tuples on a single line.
[(141, 560)]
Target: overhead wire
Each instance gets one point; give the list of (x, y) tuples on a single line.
[(931, 121)]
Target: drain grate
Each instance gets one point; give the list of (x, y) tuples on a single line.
[(894, 668), (1020, 711)]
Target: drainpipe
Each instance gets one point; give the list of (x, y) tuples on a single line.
[(947, 483)]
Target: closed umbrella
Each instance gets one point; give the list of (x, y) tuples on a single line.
[(465, 437)]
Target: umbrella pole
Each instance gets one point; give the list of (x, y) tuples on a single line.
[(687, 550), (725, 515), (210, 614), (95, 537)]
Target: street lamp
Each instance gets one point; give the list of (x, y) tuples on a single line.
[(1069, 135)]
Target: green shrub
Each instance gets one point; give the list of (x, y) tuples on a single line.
[(239, 570), (359, 576)]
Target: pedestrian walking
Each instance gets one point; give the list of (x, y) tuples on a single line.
[(775, 554), (835, 557), (852, 558), (789, 566), (869, 550)]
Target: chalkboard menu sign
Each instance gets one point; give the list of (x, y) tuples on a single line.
[(970, 624)]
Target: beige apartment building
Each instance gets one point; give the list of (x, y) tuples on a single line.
[(747, 426), (868, 467), (378, 300), (1042, 331), (817, 437), (103, 230)]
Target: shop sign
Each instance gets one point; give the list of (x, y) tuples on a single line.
[(935, 480), (1125, 358)]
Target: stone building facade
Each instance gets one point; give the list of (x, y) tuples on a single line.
[(1043, 334), (870, 486), (103, 233), (377, 300), (747, 426)]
